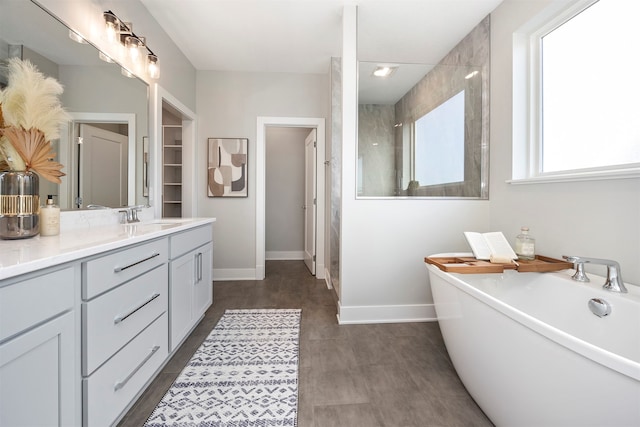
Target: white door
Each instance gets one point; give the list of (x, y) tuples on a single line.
[(103, 167), (310, 201)]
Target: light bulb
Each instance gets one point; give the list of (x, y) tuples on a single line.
[(112, 26), (152, 66), (132, 44)]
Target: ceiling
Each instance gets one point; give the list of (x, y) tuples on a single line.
[(300, 36)]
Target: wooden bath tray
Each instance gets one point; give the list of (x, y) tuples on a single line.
[(470, 265)]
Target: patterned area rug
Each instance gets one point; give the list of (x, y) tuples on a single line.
[(244, 374)]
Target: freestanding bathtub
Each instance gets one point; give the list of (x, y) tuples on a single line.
[(531, 353)]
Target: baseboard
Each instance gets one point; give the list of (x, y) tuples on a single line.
[(320, 271), (327, 278), (228, 274), (386, 314), (283, 255)]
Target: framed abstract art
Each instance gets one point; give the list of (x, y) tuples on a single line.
[(227, 167)]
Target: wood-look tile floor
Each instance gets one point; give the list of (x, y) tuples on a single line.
[(380, 375)]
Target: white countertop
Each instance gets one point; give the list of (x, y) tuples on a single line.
[(27, 255)]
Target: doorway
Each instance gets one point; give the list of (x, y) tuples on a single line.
[(318, 124), (69, 196), (290, 194), (102, 167), (163, 102)]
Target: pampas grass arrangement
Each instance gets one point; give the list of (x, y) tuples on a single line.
[(30, 117)]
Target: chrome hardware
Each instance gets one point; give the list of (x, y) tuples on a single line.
[(599, 307), (579, 275), (130, 214), (197, 268), (122, 318), (119, 269), (614, 281), (124, 382)]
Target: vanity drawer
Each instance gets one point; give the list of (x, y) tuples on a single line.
[(114, 318), (108, 271), (109, 390), (181, 243), (32, 301)]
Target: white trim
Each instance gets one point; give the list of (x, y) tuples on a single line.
[(527, 105), (595, 175), (386, 314), (231, 274), (284, 255), (311, 122), (327, 278), (189, 153)]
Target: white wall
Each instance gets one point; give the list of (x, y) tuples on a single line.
[(596, 218), (384, 242), (284, 216), (228, 105)]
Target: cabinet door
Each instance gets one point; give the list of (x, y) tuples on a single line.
[(203, 288), (181, 297), (37, 376)]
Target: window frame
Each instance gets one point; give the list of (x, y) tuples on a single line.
[(527, 104)]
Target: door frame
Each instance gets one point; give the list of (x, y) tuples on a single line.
[(190, 189), (310, 200), (304, 122)]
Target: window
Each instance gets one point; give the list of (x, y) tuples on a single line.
[(439, 142), (584, 109)]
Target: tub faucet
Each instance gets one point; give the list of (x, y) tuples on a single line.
[(614, 281)]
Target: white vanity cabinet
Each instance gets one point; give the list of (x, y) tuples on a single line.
[(124, 321), (87, 317), (38, 362), (190, 286)]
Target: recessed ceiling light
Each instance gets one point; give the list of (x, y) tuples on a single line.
[(384, 70)]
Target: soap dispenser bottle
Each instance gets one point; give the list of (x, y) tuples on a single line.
[(50, 218), (525, 245)]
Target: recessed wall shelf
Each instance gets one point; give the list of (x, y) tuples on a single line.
[(172, 171)]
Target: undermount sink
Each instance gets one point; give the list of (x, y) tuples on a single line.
[(141, 228)]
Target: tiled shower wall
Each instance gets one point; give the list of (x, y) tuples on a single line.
[(380, 166), (376, 150)]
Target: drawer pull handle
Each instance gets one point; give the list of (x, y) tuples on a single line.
[(124, 382), (198, 267), (124, 317), (119, 269)]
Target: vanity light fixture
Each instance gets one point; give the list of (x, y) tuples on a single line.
[(384, 70), (112, 26), (118, 31), (133, 45), (152, 66)]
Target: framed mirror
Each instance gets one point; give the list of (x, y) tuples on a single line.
[(98, 96), (423, 129)]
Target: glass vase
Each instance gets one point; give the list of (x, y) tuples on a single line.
[(19, 204)]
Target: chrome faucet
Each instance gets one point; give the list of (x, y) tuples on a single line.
[(614, 281), (130, 214)]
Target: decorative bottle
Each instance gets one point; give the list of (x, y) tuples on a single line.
[(525, 245), (50, 218)]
